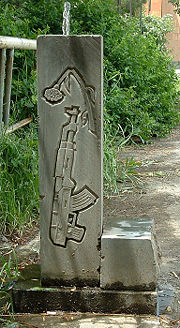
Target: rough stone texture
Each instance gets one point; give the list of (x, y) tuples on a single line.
[(29, 297), (70, 146), (129, 258)]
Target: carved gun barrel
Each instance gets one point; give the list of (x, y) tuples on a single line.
[(65, 204), (61, 222)]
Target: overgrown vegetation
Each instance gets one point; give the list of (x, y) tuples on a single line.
[(140, 82), (18, 179), (8, 275), (130, 6), (139, 90), (176, 4)]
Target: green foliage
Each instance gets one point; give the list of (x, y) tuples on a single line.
[(8, 275), (140, 81), (158, 28), (176, 4), (18, 179), (131, 6), (117, 171), (139, 90)]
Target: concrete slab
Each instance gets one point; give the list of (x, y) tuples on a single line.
[(70, 93), (113, 322), (128, 253), (89, 320), (30, 297)]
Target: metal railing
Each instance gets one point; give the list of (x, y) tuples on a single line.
[(7, 46)]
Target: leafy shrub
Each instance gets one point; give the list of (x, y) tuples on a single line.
[(139, 89), (176, 4), (158, 28), (8, 275), (140, 81)]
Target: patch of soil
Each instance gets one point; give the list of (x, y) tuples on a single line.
[(158, 198), (26, 245)]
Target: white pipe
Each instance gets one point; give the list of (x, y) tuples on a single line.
[(2, 77), (8, 81), (17, 43)]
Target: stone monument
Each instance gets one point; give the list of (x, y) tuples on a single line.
[(70, 90), (83, 267)]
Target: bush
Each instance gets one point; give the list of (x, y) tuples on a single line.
[(139, 89), (176, 4), (143, 94), (140, 81)]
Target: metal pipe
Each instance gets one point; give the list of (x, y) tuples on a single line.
[(17, 43), (66, 18), (130, 8), (2, 77), (149, 7), (8, 81), (141, 10), (119, 6)]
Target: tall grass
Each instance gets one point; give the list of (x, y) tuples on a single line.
[(116, 171), (18, 179), (8, 275), (131, 79)]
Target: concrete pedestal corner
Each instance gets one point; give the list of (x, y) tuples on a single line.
[(129, 255)]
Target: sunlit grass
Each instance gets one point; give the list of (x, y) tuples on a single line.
[(18, 179)]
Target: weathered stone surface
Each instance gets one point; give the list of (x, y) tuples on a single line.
[(30, 297), (70, 148), (129, 259)]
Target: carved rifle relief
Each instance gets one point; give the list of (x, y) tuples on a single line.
[(67, 204)]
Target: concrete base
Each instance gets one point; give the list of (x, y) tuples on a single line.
[(88, 320), (129, 255), (29, 297)]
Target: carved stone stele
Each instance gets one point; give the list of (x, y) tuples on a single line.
[(70, 148)]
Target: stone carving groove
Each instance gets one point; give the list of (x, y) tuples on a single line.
[(67, 204), (68, 83)]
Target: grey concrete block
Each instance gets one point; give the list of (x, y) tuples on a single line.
[(70, 92), (128, 252), (29, 297)]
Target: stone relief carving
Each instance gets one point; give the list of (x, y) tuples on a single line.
[(79, 101), (71, 85)]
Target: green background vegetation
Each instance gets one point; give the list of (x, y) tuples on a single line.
[(140, 91), (176, 4)]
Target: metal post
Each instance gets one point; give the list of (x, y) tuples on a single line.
[(130, 7), (149, 7), (8, 81), (9, 42), (119, 6), (66, 18), (141, 9), (2, 77)]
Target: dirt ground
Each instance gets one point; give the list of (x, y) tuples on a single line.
[(156, 196)]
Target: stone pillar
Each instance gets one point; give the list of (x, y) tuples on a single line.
[(70, 147)]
